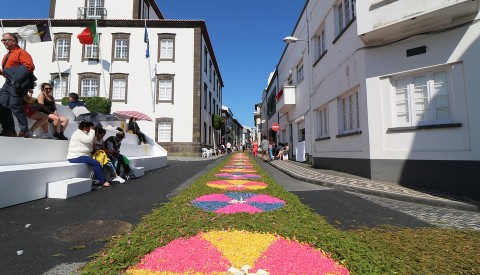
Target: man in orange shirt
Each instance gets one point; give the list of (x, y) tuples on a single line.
[(11, 97)]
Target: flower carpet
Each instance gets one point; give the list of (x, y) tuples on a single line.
[(231, 251), (216, 252)]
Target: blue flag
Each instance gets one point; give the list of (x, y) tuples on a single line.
[(145, 39)]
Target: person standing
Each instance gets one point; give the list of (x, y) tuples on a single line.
[(11, 96), (264, 145), (255, 148)]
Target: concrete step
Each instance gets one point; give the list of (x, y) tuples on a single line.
[(68, 188), (138, 172)]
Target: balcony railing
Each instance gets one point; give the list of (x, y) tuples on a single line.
[(91, 13), (286, 98)]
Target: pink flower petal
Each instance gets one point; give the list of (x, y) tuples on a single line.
[(214, 197), (264, 199), (237, 208)]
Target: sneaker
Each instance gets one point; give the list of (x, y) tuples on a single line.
[(119, 179), (48, 136)]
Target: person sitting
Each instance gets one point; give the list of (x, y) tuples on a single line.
[(133, 126), (46, 104), (81, 147), (74, 101), (113, 145), (283, 152), (98, 145), (41, 119)]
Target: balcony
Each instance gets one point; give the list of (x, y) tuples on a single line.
[(383, 21), (286, 98), (91, 13)]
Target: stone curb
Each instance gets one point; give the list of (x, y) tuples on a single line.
[(390, 195)]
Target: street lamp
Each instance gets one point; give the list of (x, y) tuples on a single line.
[(292, 39)]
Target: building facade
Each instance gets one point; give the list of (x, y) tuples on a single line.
[(179, 86), (386, 90)]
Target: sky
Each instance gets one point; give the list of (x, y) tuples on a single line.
[(246, 37)]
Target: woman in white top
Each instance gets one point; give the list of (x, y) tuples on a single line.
[(81, 147)]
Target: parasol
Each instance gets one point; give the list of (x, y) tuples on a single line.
[(128, 114)]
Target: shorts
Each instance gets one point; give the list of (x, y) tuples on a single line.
[(29, 110)]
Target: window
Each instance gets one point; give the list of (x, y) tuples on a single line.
[(345, 14), (95, 8), (91, 52), (164, 130), (166, 51), (89, 85), (210, 64), (321, 122), (145, 10), (205, 87), (120, 46), (21, 43), (165, 89), (300, 75), (210, 101), (121, 49), (57, 92), (301, 131), (205, 52), (62, 47), (350, 118), (422, 99), (118, 87), (272, 103), (320, 45)]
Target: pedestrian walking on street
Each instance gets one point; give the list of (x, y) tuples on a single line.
[(20, 64), (264, 145)]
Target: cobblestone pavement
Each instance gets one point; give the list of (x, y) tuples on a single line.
[(438, 211), (438, 216)]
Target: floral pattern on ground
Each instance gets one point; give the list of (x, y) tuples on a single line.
[(215, 252), (238, 176), (237, 170), (239, 166), (237, 202), (237, 185)]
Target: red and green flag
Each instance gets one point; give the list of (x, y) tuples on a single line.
[(89, 35)]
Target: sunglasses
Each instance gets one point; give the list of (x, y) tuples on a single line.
[(5, 40), (47, 89)]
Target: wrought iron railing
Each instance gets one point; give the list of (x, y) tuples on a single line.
[(91, 13)]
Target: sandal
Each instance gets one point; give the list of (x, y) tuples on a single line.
[(106, 184)]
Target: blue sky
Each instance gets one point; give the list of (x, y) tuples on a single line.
[(246, 36)]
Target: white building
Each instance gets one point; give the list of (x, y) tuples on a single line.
[(179, 86), (384, 89)]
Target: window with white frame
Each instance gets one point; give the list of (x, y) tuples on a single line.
[(57, 92), (89, 87), (63, 48), (345, 14), (300, 75), (422, 99), (320, 44), (164, 131), (119, 88), (95, 8), (321, 122), (166, 49), (165, 90), (91, 51), (21, 43), (350, 118), (121, 48)]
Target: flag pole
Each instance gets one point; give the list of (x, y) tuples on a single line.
[(1, 23), (100, 59), (149, 67), (56, 57)]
